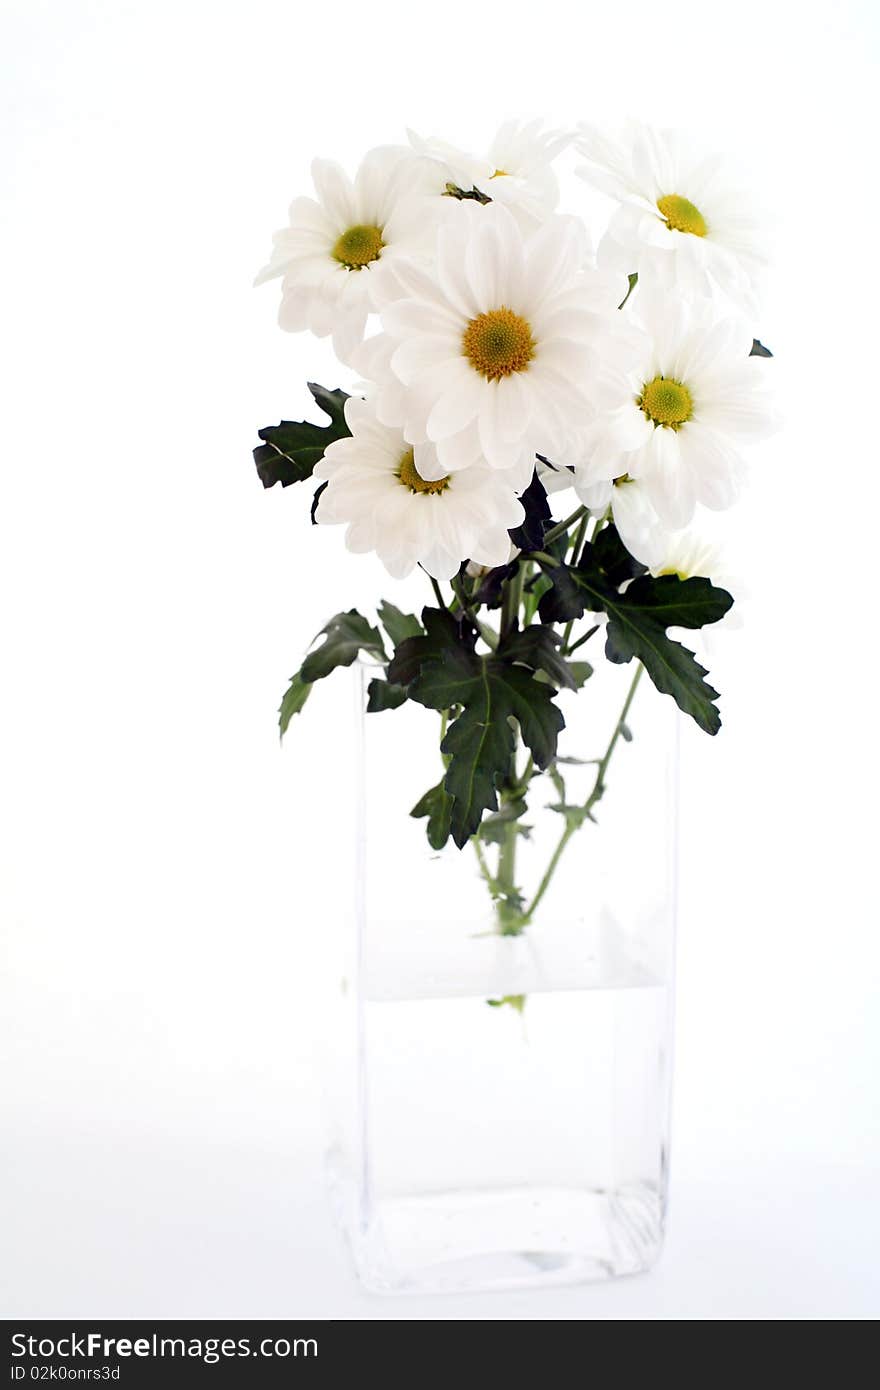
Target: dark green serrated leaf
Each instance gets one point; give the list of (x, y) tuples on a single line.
[(565, 600), (443, 671), (637, 622), (345, 637), (613, 558), (291, 450), (538, 648), (383, 695), (491, 589), (292, 701), (530, 535), (480, 742), (673, 668), (675, 602), (441, 633), (436, 804), (398, 625)]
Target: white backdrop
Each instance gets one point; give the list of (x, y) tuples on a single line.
[(166, 873)]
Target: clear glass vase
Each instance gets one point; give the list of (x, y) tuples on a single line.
[(500, 1094)]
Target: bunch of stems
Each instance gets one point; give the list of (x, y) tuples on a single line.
[(518, 607)]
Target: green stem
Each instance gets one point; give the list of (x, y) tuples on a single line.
[(579, 538), (595, 794), (561, 527), (551, 869), (508, 902), (569, 651), (438, 593), (484, 867), (599, 784), (600, 522)]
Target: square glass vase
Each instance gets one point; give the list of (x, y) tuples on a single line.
[(499, 1093)]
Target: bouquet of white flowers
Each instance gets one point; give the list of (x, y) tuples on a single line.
[(510, 364)]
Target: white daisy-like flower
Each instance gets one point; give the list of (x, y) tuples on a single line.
[(517, 169), (392, 500), (504, 348), (679, 223), (695, 396), (339, 253)]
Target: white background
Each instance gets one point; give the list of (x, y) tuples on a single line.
[(166, 872)]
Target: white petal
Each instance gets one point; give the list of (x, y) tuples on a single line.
[(668, 481), (335, 191), (458, 405)]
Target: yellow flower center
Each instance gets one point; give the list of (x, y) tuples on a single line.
[(410, 476), (666, 402), (358, 246), (681, 215), (498, 343)]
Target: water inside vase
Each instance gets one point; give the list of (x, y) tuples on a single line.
[(503, 1144)]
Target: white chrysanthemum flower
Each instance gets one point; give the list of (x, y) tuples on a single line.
[(505, 347), (679, 224), (378, 484), (516, 171), (694, 397), (339, 253)]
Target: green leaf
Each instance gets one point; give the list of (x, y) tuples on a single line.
[(538, 517), (580, 671), (538, 648), (517, 1002), (565, 600), (443, 671), (292, 701), (574, 815), (452, 190), (441, 633), (672, 667), (633, 281), (291, 450), (384, 695), (436, 804), (493, 829), (759, 350), (675, 602), (346, 636), (637, 622), (398, 625), (613, 558)]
